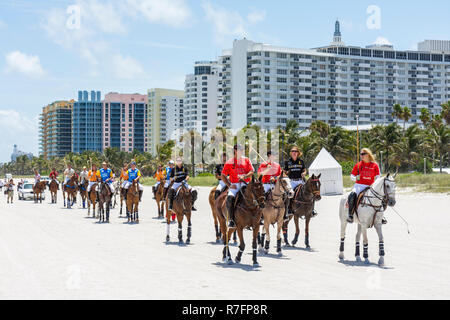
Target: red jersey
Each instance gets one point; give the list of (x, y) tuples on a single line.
[(236, 167), (269, 170), (367, 172), (53, 174)]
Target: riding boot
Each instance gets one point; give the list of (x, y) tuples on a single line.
[(230, 208), (384, 221), (154, 192), (171, 198), (194, 198), (164, 194), (216, 194), (140, 195), (286, 210), (351, 206)]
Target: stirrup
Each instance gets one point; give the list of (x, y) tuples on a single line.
[(350, 219), (384, 221)]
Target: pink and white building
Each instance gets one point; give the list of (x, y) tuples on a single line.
[(125, 121)]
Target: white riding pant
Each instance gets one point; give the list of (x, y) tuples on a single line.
[(358, 188), (296, 183), (157, 184), (233, 192), (268, 187), (91, 183), (128, 184), (177, 184), (221, 185), (124, 183), (166, 185)]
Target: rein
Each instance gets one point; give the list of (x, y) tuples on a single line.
[(384, 198)]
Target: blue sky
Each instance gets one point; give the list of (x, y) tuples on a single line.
[(130, 46)]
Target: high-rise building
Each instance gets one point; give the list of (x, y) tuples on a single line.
[(165, 116), (267, 85), (125, 119), (201, 97), (434, 45), (56, 129), (87, 122), (18, 153)]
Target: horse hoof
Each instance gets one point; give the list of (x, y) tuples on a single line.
[(358, 259), (381, 262), (287, 244), (366, 261), (230, 261), (256, 265), (167, 239), (341, 256), (266, 251), (188, 241), (217, 240), (280, 254)]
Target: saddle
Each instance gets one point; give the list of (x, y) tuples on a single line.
[(239, 196), (359, 199)]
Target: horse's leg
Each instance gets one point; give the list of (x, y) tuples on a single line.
[(108, 207), (366, 244), (168, 222), (285, 232), (235, 237), (279, 228), (180, 228), (342, 246), (357, 246), (255, 246), (136, 205), (297, 230), (266, 232), (189, 229), (308, 219), (378, 227), (240, 233)]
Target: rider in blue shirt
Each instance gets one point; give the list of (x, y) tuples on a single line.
[(168, 172), (107, 176), (134, 174)]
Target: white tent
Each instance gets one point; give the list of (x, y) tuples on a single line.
[(331, 171)]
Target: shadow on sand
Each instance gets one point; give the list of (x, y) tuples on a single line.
[(362, 263), (244, 267)]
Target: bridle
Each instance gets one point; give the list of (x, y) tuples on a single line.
[(282, 195), (256, 202), (384, 198), (314, 193)]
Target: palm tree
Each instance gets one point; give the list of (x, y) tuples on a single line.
[(445, 113), (441, 140), (425, 117), (397, 112), (388, 140), (406, 116)]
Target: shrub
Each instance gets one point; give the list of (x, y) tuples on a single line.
[(429, 168), (347, 167)]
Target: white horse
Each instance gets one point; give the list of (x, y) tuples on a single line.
[(369, 213)]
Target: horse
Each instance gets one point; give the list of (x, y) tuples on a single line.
[(248, 212), (116, 192), (92, 199), (104, 202), (368, 214), (212, 204), (83, 192), (159, 199), (53, 186), (123, 197), (182, 206), (38, 190), (71, 189), (274, 210), (133, 202)]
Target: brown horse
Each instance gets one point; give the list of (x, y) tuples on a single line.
[(83, 192), (104, 202), (92, 199), (248, 212), (53, 186), (302, 207), (182, 206), (38, 190), (274, 211), (71, 190), (159, 199), (212, 204), (133, 202)]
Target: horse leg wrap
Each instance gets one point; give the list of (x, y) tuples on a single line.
[(279, 245), (341, 248), (189, 232), (382, 253), (241, 251), (295, 239), (263, 237), (307, 240), (267, 246), (217, 230), (357, 253), (285, 235), (255, 260), (366, 251)]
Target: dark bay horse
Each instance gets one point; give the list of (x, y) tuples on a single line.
[(159, 199), (247, 214), (302, 207), (212, 204), (104, 202), (182, 206), (92, 199), (133, 202), (53, 186), (71, 189), (38, 190), (83, 192)]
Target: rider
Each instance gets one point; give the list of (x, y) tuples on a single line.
[(180, 175), (134, 174), (219, 169), (364, 174), (83, 175), (239, 169), (37, 177), (107, 176), (93, 177), (124, 177), (68, 173), (54, 175), (269, 170), (295, 169), (159, 176), (168, 172)]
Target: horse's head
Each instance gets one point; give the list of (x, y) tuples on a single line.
[(389, 188), (285, 186), (313, 186), (186, 198), (256, 191)]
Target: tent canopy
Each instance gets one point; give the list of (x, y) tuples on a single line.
[(325, 160)]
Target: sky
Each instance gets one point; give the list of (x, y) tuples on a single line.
[(50, 49)]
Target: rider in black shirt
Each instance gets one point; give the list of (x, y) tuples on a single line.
[(219, 169), (296, 170)]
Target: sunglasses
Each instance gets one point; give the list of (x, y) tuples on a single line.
[(294, 151), (364, 154)]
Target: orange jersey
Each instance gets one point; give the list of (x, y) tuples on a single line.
[(93, 176), (159, 175), (124, 175)]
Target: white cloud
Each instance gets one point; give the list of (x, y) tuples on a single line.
[(17, 129), (29, 65), (229, 23), (173, 13), (382, 41), (126, 67)]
